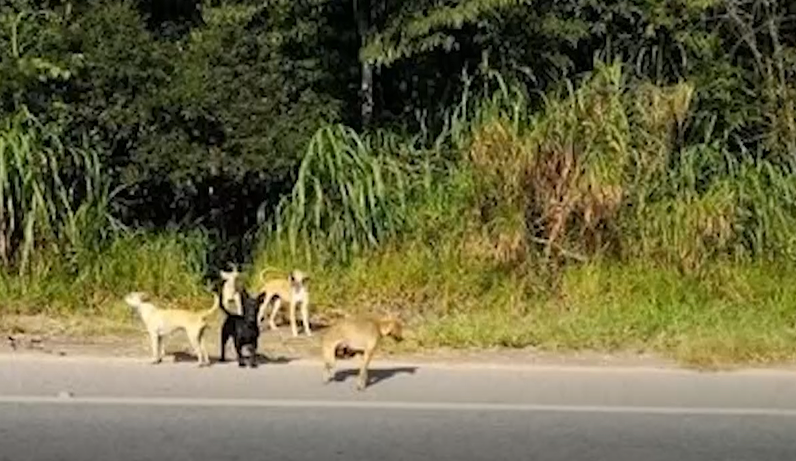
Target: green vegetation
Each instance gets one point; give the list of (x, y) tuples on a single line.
[(551, 173)]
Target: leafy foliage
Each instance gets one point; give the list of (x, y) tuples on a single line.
[(572, 173), (212, 114), (50, 194)]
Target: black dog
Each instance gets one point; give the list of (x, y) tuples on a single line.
[(242, 328)]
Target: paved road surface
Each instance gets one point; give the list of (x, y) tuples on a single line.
[(85, 409)]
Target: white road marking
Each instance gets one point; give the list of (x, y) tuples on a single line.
[(395, 405)]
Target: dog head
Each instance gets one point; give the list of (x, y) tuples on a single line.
[(135, 299), (230, 276), (251, 305), (298, 279), (391, 326)]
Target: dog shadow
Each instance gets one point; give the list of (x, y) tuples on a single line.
[(375, 375), (317, 326), (262, 359)]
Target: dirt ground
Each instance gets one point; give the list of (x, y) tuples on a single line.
[(276, 348), (41, 335)]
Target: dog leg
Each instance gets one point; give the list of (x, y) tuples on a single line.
[(305, 317), (204, 357), (293, 326), (363, 371), (277, 304), (239, 350), (156, 343), (197, 352), (194, 340), (253, 355), (261, 313), (227, 331), (328, 350), (204, 348), (224, 339)]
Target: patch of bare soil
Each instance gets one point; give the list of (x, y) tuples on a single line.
[(281, 345), (35, 334), (41, 335)]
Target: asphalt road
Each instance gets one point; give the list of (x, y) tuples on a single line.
[(85, 409)]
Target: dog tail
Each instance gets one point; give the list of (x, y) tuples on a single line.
[(210, 311), (261, 275), (265, 270)]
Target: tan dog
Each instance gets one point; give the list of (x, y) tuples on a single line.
[(292, 290), (162, 322), (357, 335), (229, 291)]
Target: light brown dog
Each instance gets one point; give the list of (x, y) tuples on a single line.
[(294, 291), (162, 322), (359, 334)]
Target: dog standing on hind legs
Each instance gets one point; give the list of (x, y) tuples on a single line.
[(357, 335), (292, 290), (230, 290), (162, 322), (244, 329)]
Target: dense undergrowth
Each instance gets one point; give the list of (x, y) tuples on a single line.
[(586, 221)]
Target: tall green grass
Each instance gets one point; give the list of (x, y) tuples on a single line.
[(660, 240), (596, 220), (168, 266), (603, 169), (52, 197), (348, 197), (63, 252)]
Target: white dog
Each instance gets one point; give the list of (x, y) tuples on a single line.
[(162, 322), (229, 291)]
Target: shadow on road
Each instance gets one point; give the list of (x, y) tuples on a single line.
[(375, 375)]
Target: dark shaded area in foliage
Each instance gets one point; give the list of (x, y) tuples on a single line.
[(171, 18), (203, 115)]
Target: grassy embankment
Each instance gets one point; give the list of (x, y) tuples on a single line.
[(587, 224)]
